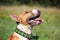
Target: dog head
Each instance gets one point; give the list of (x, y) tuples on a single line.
[(28, 17)]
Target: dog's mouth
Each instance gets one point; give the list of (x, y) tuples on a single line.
[(35, 20)]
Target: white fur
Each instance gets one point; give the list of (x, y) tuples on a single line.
[(20, 37), (35, 11), (24, 29)]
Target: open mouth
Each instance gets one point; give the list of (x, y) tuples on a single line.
[(36, 20)]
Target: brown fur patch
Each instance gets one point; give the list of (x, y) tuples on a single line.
[(13, 37), (22, 18)]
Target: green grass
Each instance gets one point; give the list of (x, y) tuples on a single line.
[(48, 30)]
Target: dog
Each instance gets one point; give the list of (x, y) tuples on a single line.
[(25, 22)]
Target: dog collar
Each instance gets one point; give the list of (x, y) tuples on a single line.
[(22, 33)]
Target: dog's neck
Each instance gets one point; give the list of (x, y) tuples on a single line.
[(26, 29)]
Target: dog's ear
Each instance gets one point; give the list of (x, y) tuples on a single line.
[(13, 17)]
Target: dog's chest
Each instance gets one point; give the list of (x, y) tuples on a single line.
[(20, 37)]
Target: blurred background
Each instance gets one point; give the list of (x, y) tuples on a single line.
[(31, 2), (50, 12)]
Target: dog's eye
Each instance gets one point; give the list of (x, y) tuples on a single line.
[(26, 12)]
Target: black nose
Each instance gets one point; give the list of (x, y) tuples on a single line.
[(39, 11)]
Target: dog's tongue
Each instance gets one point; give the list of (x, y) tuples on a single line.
[(37, 21)]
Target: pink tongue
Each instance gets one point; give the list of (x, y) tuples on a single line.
[(37, 22), (37, 19)]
